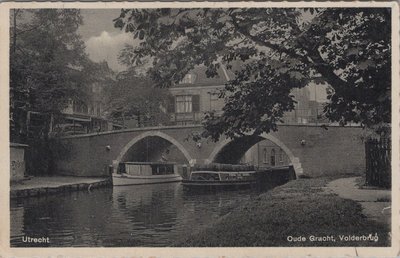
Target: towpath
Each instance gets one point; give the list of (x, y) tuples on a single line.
[(49, 185), (376, 203)]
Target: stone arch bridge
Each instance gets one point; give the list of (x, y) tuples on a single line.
[(313, 150)]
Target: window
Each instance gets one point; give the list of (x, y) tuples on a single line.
[(184, 104), (216, 103), (265, 155), (98, 110), (80, 107), (214, 95), (280, 156), (188, 79), (273, 157)]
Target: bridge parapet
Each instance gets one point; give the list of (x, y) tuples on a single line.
[(326, 150), (199, 128)]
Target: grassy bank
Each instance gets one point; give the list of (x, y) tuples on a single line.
[(299, 208)]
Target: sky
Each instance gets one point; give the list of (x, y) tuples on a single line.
[(103, 41)]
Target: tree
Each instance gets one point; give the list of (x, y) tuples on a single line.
[(135, 97), (46, 62), (281, 49)]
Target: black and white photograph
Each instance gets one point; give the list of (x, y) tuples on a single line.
[(202, 125)]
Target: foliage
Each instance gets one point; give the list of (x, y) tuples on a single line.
[(134, 97), (47, 64), (281, 49), (97, 81), (48, 67)]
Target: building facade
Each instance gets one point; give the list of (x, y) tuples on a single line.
[(80, 117), (265, 154), (196, 94)]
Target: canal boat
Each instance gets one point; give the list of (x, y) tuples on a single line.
[(233, 176), (227, 176), (139, 173)]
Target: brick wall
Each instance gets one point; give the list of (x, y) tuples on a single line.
[(325, 152)]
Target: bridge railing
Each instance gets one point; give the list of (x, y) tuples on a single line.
[(309, 116), (186, 118)]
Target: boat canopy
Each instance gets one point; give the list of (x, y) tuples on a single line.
[(223, 167), (148, 163)]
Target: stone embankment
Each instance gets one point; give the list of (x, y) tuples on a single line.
[(41, 186)]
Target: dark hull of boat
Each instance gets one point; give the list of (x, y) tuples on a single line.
[(125, 179), (215, 185)]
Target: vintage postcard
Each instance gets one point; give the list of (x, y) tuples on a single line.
[(188, 129)]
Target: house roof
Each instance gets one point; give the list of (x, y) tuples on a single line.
[(201, 79)]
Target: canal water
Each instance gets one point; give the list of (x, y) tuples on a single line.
[(125, 216)]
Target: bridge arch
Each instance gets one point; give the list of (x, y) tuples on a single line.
[(142, 136), (295, 161)]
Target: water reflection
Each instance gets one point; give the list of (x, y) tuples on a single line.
[(144, 215)]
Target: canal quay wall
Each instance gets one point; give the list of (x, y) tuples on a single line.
[(43, 186), (313, 151)]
